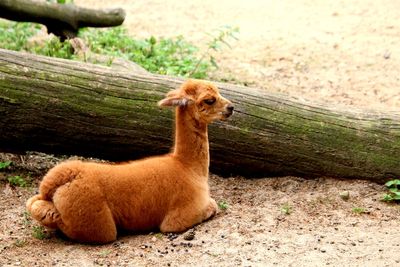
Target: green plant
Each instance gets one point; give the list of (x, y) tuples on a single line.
[(164, 56), (26, 218), (20, 242), (61, 1), (168, 56), (17, 181), (394, 191), (39, 232), (358, 210), (15, 36), (222, 37), (104, 253), (223, 205), (54, 48), (4, 165), (286, 209)]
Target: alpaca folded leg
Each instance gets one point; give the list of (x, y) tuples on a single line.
[(177, 222), (43, 211), (183, 219)]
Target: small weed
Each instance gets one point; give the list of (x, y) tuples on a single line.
[(394, 191), (17, 181), (39, 232), (358, 210), (104, 253), (286, 209), (223, 205), (61, 1), (26, 218), (221, 38), (20, 243), (4, 165), (159, 235)]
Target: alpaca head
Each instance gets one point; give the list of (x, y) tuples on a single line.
[(201, 100)]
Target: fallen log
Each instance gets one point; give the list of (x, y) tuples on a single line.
[(63, 20), (68, 107)]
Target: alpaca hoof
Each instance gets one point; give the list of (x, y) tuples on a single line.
[(44, 212), (30, 201)]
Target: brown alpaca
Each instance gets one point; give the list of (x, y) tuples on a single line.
[(89, 201)]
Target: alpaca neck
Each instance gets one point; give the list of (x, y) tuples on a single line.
[(191, 142)]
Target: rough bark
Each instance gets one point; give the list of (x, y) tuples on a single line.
[(61, 20), (66, 107)]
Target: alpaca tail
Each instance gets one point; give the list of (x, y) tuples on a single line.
[(41, 206)]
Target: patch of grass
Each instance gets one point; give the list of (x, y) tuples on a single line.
[(168, 56), (394, 191), (159, 235), (358, 210), (223, 205), (20, 243), (39, 232), (15, 36), (4, 165), (17, 180), (286, 209), (61, 1), (173, 56), (104, 253), (26, 218)]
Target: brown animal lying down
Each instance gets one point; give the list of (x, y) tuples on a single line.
[(89, 201)]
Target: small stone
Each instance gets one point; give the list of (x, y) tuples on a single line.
[(345, 195), (323, 250), (189, 236)]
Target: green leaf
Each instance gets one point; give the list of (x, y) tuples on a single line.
[(212, 61), (393, 182), (5, 164), (393, 189), (387, 198)]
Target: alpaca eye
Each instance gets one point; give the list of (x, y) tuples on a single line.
[(210, 101)]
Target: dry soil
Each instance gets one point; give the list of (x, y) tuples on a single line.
[(342, 53)]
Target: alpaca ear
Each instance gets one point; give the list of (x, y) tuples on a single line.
[(173, 99), (174, 102)]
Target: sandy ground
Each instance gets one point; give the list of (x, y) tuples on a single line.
[(329, 51), (335, 52), (318, 228)]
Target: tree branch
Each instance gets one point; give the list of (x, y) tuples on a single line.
[(61, 20)]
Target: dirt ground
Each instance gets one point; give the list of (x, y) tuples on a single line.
[(336, 52)]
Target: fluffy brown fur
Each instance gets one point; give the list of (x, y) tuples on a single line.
[(88, 201)]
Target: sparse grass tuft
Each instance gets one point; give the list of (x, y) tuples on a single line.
[(286, 209), (20, 243), (358, 210), (223, 205), (39, 232), (104, 253), (4, 165), (17, 181)]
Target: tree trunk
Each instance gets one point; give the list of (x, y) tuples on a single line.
[(61, 20), (68, 107)]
